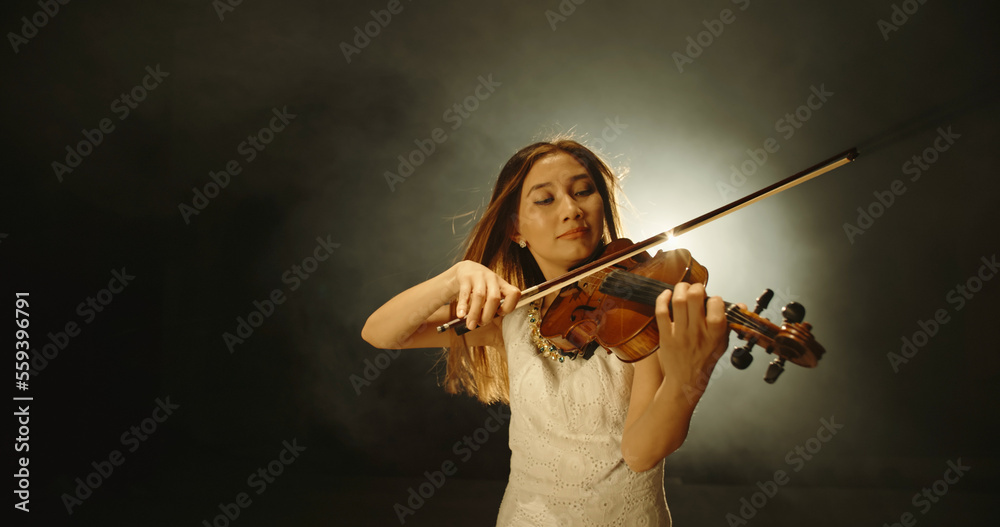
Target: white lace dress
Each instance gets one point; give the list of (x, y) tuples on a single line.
[(567, 419)]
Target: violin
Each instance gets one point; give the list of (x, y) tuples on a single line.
[(610, 301), (614, 308)]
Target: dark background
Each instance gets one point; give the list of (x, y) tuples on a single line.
[(373, 422)]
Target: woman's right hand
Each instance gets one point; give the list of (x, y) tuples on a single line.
[(480, 291)]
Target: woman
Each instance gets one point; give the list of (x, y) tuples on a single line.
[(588, 434)]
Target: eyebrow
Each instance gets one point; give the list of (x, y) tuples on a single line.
[(573, 179)]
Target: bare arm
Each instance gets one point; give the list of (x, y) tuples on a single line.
[(410, 319), (669, 383)]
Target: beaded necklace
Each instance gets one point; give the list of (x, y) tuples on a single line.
[(545, 348)]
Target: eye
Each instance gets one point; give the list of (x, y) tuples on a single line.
[(545, 201), (585, 192)]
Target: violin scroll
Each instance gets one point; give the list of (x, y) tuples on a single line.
[(792, 341)]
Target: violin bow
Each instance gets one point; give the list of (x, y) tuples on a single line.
[(545, 288)]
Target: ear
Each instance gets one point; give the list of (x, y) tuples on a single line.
[(515, 235)]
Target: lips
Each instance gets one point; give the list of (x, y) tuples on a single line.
[(574, 233)]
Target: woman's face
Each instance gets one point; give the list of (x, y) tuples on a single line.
[(560, 214)]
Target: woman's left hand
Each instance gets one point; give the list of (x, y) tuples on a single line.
[(691, 343)]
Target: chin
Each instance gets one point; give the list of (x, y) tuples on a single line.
[(581, 256), (577, 254), (591, 247)]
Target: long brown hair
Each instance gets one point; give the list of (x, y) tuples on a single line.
[(481, 371)]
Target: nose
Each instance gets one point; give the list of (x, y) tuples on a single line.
[(570, 208)]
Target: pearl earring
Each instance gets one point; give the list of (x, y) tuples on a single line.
[(523, 244)]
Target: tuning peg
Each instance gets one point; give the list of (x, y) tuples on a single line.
[(793, 313), (763, 300), (774, 369), (741, 357)]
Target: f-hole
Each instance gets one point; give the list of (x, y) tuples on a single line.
[(572, 316)]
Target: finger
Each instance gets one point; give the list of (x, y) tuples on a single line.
[(492, 301), (715, 315), (696, 306), (476, 298), (464, 288), (662, 311), (680, 303), (718, 326), (511, 296)]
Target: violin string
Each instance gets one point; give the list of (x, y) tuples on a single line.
[(645, 290)]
